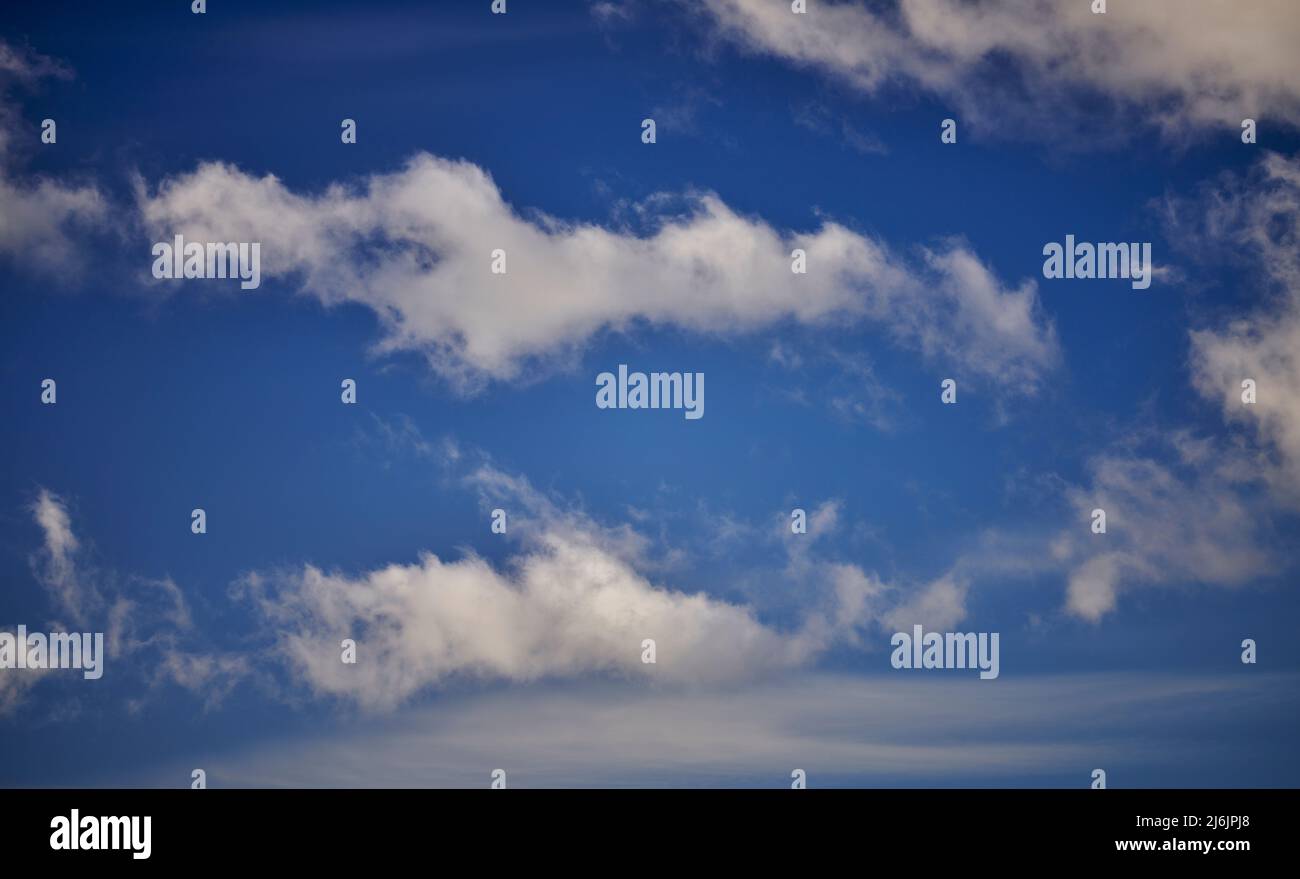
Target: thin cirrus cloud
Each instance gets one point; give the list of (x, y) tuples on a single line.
[(878, 729), (1180, 64), (415, 245)]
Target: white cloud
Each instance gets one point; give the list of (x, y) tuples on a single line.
[(1177, 64), (1093, 589), (37, 219), (568, 609), (415, 245), (56, 563), (572, 602), (939, 606), (1186, 520)]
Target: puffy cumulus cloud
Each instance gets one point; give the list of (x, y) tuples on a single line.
[(1030, 66), (1182, 514), (1260, 213), (416, 245), (569, 608), (572, 601), (38, 216), (145, 621)]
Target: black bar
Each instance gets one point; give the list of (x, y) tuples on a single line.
[(487, 828)]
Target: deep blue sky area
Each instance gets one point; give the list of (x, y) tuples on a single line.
[(215, 398)]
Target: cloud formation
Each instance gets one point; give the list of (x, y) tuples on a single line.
[(572, 602), (147, 624), (416, 246), (1028, 67), (1185, 515)]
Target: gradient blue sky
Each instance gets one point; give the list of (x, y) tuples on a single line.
[(175, 395)]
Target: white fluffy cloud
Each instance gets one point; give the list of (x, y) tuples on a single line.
[(1026, 65), (572, 602), (569, 608), (415, 246)]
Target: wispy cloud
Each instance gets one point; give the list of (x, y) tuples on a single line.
[(1192, 519), (860, 730), (1253, 220), (39, 217), (1190, 508), (149, 631)]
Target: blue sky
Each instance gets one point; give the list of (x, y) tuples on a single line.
[(522, 651)]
